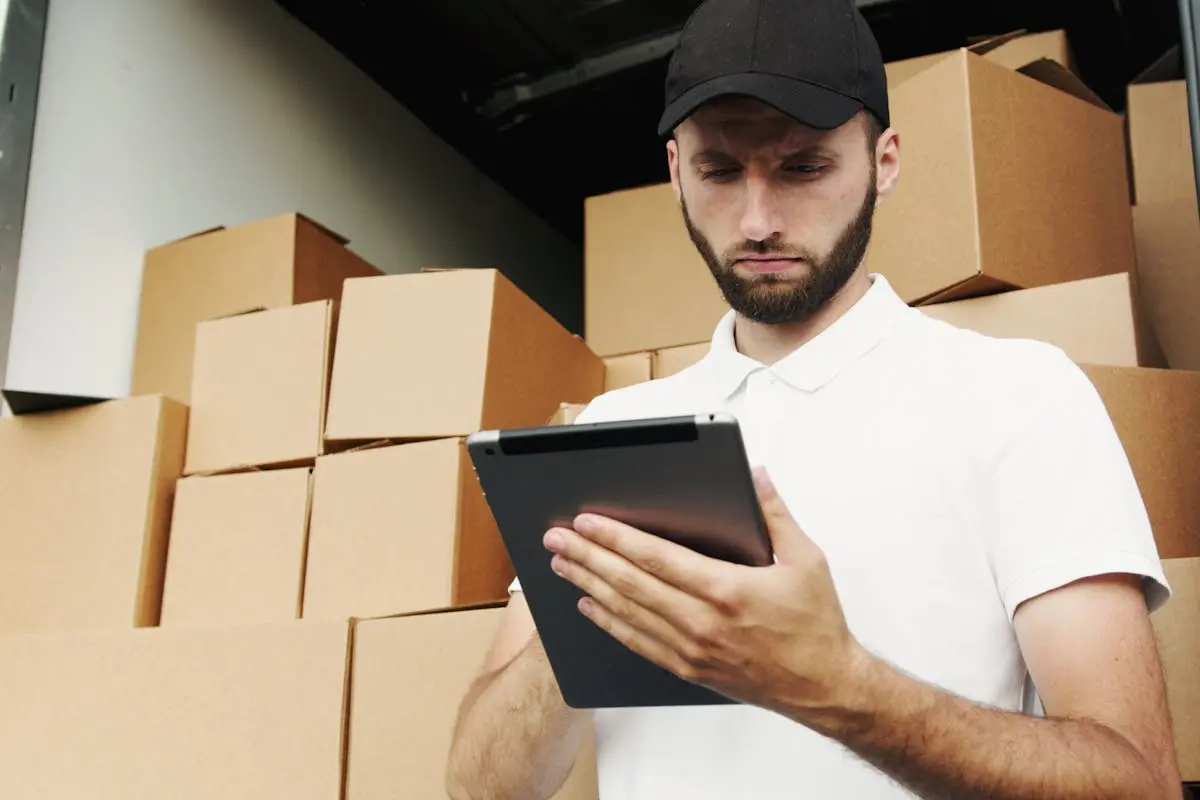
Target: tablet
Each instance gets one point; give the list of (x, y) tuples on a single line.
[(684, 478)]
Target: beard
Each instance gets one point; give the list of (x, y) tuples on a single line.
[(774, 300)]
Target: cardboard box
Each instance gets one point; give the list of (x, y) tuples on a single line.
[(1156, 413), (1160, 139), (1094, 320), (1010, 180), (259, 389), (1177, 626), (410, 675), (268, 263), (1168, 251), (194, 714), (636, 252), (442, 354), (567, 414), (671, 360), (401, 529), (627, 370), (84, 510), (1013, 50), (237, 549)]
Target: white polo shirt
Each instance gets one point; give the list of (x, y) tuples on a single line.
[(947, 476)]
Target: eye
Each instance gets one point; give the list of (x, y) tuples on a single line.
[(806, 169), (721, 173)]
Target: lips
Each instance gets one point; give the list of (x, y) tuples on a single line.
[(767, 264)]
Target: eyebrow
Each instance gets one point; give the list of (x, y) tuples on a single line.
[(712, 156)]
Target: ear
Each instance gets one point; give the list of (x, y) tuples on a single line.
[(673, 165), (887, 163)]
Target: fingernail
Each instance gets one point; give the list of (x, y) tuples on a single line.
[(552, 540), (556, 564), (585, 523), (762, 481)]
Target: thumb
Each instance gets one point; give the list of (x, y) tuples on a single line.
[(789, 542)]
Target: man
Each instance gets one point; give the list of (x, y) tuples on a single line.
[(951, 513)]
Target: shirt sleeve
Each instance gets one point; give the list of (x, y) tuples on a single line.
[(1064, 503)]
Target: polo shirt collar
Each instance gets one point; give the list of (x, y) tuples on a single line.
[(821, 359)]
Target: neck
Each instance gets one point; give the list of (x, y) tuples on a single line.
[(767, 344)]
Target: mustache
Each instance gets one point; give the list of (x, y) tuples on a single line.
[(767, 247)]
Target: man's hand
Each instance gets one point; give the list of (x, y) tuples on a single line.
[(769, 636)]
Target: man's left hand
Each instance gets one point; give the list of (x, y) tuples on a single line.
[(770, 636)]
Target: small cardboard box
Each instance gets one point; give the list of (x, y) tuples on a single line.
[(237, 548), (1012, 50), (250, 711), (567, 414), (1094, 320), (1168, 249), (401, 529), (409, 676), (85, 506), (259, 391), (1160, 139), (627, 370), (1156, 413), (1011, 179), (446, 353), (1177, 627), (671, 360)]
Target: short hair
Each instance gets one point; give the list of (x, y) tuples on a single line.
[(874, 127)]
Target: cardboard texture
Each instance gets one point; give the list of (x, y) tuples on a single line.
[(676, 359), (443, 354), (401, 529), (637, 252), (567, 414), (1156, 413), (1008, 183), (626, 370), (198, 714), (237, 549), (1160, 141), (259, 389), (1095, 320), (1168, 251), (410, 674), (85, 508), (1013, 51), (268, 263), (1177, 627)]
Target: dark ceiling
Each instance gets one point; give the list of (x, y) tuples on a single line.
[(558, 99)]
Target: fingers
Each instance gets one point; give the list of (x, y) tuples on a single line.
[(636, 640), (787, 539)]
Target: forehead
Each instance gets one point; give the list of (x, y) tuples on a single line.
[(745, 123)]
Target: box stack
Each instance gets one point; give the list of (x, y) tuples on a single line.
[(270, 572)]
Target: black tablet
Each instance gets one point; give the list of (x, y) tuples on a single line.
[(684, 478)]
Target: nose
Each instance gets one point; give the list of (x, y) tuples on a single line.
[(762, 216)]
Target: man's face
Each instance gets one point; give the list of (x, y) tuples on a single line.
[(780, 212)]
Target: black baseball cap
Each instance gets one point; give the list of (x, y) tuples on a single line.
[(814, 60)]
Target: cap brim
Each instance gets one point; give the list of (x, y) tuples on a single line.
[(808, 103)]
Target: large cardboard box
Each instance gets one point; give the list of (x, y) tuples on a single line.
[(1168, 251), (401, 529), (1156, 413), (671, 360), (410, 675), (446, 353), (192, 714), (1012, 51), (259, 391), (1160, 139), (1177, 626), (85, 504), (1011, 179), (1094, 320), (627, 370), (268, 263), (237, 548)]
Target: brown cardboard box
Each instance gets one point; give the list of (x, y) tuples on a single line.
[(636, 253), (1008, 182), (237, 548), (84, 509), (263, 264), (1160, 141), (676, 359), (401, 529), (1168, 251), (567, 414), (410, 674), (190, 714), (627, 370), (1156, 413), (259, 389), (1177, 626), (1012, 51), (1094, 320), (441, 354)]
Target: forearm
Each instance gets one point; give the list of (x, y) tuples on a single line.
[(941, 746), (516, 738)]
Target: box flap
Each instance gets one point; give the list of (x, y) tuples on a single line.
[(325, 229), (21, 402), (1054, 74), (1168, 67), (988, 43), (195, 235)]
